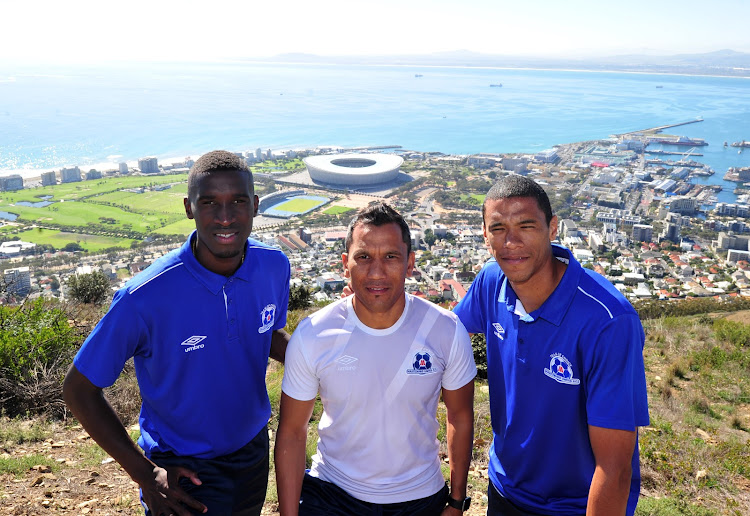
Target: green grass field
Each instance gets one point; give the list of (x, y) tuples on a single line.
[(105, 205), (73, 191), (337, 210), (299, 205), (477, 199), (59, 239)]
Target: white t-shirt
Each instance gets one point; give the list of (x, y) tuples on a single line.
[(380, 390)]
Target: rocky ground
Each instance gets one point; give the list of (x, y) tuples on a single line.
[(82, 480)]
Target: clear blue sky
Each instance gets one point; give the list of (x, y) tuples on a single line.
[(93, 30)]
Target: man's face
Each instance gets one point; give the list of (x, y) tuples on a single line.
[(518, 237), (223, 208), (377, 263)]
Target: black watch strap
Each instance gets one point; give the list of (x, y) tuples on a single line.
[(461, 505)]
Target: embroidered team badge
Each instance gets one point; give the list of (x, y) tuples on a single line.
[(267, 318), (561, 370), (422, 364), (499, 330)]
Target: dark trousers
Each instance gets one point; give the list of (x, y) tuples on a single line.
[(498, 505), (233, 484), (321, 498)]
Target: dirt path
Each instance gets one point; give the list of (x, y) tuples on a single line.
[(82, 481)]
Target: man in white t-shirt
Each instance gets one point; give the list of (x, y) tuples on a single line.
[(380, 360)]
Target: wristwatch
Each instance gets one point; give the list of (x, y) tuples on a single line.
[(461, 505)]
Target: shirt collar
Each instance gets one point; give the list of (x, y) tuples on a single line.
[(556, 305), (212, 281)]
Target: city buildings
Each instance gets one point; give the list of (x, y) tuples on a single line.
[(148, 165)]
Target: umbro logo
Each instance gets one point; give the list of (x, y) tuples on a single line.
[(193, 343), (345, 363), (499, 331)]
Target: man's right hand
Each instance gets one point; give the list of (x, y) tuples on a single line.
[(163, 495)]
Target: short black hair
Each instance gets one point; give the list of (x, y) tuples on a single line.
[(214, 161), (379, 213), (514, 185)]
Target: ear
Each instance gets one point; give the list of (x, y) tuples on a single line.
[(188, 208), (553, 228), (345, 261), (410, 264), (256, 204)]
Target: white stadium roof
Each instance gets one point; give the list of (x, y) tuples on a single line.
[(353, 169)]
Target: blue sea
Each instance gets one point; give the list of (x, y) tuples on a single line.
[(56, 116)]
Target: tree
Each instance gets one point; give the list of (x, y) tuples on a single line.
[(91, 288), (300, 297), (429, 237)]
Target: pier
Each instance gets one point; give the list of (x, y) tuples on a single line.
[(673, 153), (655, 130)]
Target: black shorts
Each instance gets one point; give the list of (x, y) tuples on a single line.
[(233, 484), (321, 498)]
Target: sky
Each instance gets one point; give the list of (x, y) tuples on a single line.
[(185, 30)]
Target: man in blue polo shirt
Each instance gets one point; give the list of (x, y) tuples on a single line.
[(200, 324), (564, 364)]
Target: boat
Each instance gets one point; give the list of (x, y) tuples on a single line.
[(498, 85), (659, 86), (418, 75), (682, 140), (742, 144)]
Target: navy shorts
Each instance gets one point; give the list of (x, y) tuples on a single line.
[(498, 505), (233, 484), (321, 498)]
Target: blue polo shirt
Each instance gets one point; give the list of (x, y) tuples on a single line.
[(200, 343), (575, 361)]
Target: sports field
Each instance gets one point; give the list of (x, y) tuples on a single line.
[(59, 239), (337, 210), (296, 206)]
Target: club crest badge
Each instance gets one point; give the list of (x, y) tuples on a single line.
[(267, 318), (561, 370), (422, 364)]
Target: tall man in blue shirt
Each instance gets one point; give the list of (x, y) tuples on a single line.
[(564, 364), (200, 324)]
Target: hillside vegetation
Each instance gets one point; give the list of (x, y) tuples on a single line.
[(695, 455)]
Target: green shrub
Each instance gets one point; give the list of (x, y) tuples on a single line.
[(732, 332), (479, 345), (37, 345)]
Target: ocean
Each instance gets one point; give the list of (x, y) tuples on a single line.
[(56, 116)]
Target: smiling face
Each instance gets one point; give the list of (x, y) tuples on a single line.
[(223, 206), (377, 264), (518, 237)]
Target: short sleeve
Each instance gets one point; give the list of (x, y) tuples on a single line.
[(472, 309), (300, 380), (460, 368), (283, 301), (615, 376), (116, 338)]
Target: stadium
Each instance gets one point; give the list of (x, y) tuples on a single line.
[(353, 169)]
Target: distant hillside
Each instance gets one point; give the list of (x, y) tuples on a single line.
[(721, 62)]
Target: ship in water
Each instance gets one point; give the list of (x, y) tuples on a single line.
[(498, 85), (682, 140), (742, 144)]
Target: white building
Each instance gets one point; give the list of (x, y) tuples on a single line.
[(70, 175), (148, 165), (17, 281)]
